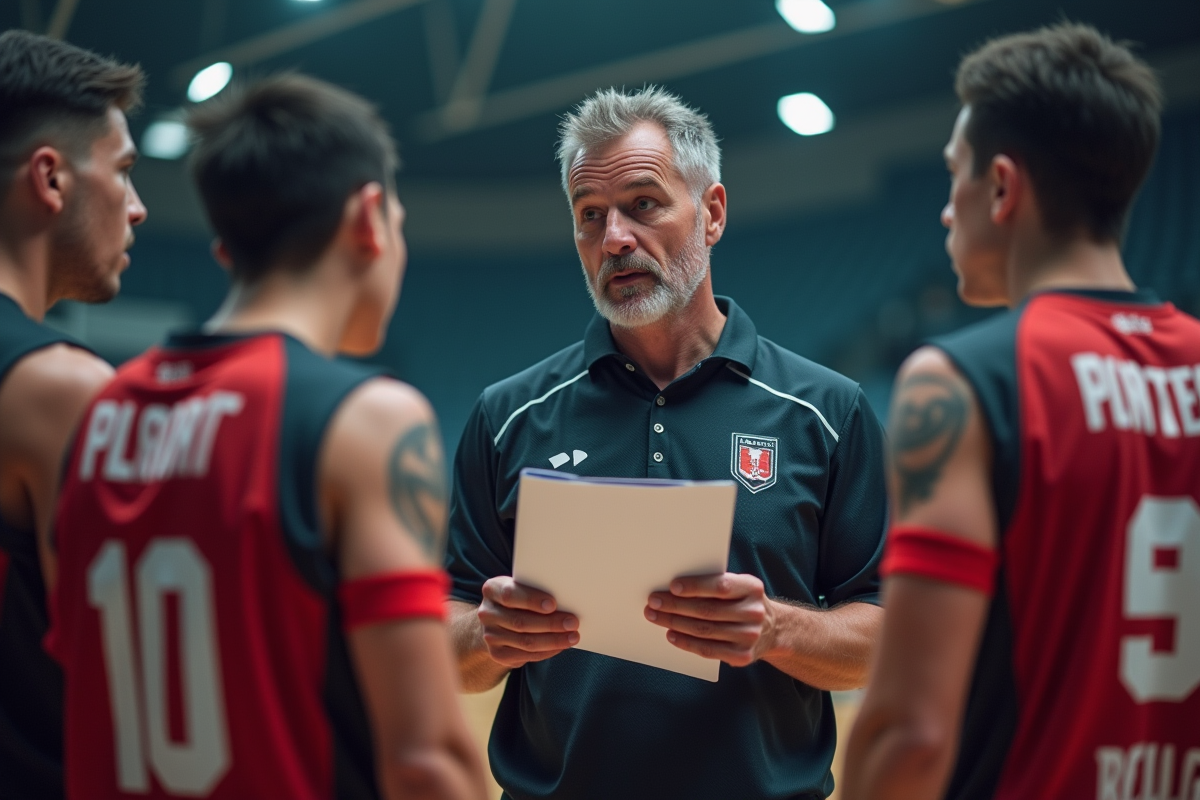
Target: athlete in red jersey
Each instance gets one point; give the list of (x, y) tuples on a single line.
[(1042, 636), (247, 604)]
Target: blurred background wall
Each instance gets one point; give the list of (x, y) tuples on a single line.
[(834, 245)]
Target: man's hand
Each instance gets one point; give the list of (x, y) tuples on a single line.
[(521, 625), (726, 617)]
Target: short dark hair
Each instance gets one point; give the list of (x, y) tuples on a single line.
[(275, 162), (56, 93), (1079, 111)]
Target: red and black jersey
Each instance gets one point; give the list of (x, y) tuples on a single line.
[(195, 614), (30, 681), (1087, 683)]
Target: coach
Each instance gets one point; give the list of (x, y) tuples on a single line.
[(671, 382)]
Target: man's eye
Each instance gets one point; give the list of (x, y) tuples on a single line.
[(644, 204)]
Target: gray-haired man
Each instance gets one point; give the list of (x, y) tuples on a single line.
[(671, 382)]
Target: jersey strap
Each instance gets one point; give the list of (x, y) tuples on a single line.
[(928, 553), (394, 596)]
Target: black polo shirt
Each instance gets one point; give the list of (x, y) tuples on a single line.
[(807, 453)]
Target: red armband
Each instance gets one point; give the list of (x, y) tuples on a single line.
[(394, 596), (939, 556)]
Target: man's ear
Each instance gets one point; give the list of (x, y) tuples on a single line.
[(49, 178), (713, 206), (1008, 185), (365, 218), (221, 254)]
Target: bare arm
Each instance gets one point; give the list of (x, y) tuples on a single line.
[(476, 669), (904, 740), (41, 405), (384, 499), (828, 650)]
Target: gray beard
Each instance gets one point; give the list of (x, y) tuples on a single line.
[(673, 289)]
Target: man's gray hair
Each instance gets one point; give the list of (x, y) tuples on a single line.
[(611, 113)]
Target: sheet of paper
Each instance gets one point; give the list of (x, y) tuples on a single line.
[(602, 545)]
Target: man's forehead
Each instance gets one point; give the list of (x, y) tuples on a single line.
[(958, 141), (638, 158)]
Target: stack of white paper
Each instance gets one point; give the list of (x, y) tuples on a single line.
[(602, 545)]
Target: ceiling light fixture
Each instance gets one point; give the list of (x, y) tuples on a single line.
[(166, 139), (806, 16), (209, 81), (805, 113)]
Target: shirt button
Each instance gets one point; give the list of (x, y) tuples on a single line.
[(660, 401), (630, 367), (658, 456), (658, 428)]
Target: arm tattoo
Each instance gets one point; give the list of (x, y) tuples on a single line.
[(417, 486), (928, 418)]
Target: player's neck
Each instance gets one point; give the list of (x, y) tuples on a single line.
[(310, 307), (25, 273), (1078, 263), (676, 343)]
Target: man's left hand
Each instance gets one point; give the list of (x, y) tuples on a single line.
[(726, 617)]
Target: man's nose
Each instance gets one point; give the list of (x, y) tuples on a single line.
[(618, 238), (137, 211)]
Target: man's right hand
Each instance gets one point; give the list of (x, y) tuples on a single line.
[(521, 624)]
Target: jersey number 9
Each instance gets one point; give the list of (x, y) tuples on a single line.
[(1162, 580)]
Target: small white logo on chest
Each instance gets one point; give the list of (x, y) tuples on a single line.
[(557, 461)]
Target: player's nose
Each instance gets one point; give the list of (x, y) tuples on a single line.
[(136, 209)]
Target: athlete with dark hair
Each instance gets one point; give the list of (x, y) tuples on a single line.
[(248, 604), (67, 210), (1042, 635)]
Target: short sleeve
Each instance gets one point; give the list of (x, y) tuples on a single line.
[(855, 518), (480, 544)]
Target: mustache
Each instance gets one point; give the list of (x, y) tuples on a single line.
[(626, 263), (129, 241)]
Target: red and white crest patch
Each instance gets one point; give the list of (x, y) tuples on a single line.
[(755, 461)]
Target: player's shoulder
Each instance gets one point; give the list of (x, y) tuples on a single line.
[(552, 374), (381, 404), (58, 376)]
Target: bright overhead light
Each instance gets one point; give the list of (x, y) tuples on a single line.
[(805, 113), (209, 81), (166, 139), (806, 16)]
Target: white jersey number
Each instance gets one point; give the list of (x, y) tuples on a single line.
[(169, 566), (1162, 580)]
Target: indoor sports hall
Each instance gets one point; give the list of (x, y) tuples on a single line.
[(831, 118)]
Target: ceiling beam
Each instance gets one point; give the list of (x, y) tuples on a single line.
[(64, 12), (465, 103), (290, 37), (441, 44), (673, 63)]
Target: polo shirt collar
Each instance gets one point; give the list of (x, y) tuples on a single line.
[(738, 343)]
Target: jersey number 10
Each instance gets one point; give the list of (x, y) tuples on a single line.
[(169, 566)]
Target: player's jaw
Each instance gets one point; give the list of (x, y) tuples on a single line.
[(379, 293)]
